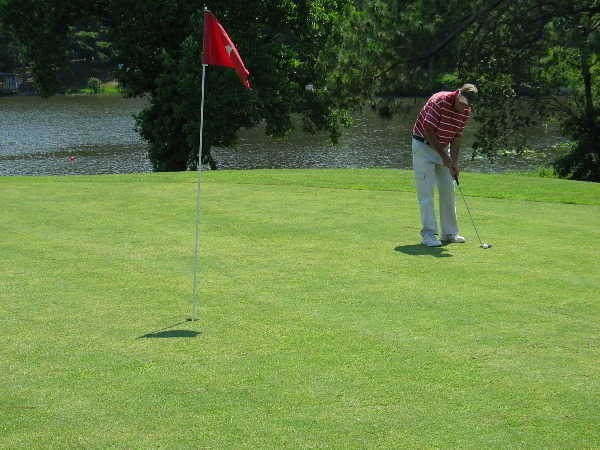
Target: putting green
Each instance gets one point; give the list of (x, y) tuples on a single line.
[(323, 322)]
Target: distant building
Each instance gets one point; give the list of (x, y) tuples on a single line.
[(9, 83)]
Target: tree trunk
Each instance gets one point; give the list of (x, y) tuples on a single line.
[(587, 82)]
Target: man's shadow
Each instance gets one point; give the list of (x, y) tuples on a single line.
[(423, 250)]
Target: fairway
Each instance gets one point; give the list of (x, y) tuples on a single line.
[(323, 323)]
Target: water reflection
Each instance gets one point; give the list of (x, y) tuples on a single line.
[(70, 136), (95, 135), (84, 160), (374, 142)]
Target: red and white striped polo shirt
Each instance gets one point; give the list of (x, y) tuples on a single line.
[(439, 114)]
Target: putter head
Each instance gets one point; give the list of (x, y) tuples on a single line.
[(486, 245)]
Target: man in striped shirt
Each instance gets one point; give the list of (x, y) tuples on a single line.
[(436, 146)]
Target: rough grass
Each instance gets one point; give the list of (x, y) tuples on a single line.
[(323, 323)]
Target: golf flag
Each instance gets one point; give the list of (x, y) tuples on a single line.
[(219, 49)]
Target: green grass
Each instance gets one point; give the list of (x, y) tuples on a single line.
[(106, 92), (109, 89), (323, 323)]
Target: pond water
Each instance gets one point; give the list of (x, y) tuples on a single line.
[(95, 135), (70, 135)]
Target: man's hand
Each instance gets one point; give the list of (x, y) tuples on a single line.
[(454, 170)]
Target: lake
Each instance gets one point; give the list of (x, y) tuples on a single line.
[(76, 135)]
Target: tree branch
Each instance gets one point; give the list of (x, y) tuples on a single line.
[(465, 23), (561, 107)]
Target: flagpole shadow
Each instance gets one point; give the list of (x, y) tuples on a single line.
[(168, 332)]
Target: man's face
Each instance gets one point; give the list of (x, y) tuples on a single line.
[(461, 104)]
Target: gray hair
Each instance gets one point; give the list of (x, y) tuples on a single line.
[(469, 91)]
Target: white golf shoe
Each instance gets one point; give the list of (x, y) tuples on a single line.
[(431, 241), (454, 239)]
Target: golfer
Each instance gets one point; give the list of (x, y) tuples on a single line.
[(435, 147)]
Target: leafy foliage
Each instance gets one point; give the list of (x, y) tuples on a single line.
[(533, 61), (95, 85), (87, 45), (10, 54), (159, 55)]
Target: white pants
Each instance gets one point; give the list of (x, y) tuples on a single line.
[(429, 171)]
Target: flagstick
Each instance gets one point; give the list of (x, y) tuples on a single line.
[(197, 246)]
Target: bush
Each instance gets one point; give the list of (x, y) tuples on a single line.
[(583, 161), (94, 85)]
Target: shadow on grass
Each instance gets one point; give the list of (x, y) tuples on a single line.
[(420, 250), (169, 333)]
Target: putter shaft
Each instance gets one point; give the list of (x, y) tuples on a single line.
[(469, 211)]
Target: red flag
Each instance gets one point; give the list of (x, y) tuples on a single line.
[(219, 49)]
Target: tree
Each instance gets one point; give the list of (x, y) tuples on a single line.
[(158, 46), (88, 42), (9, 54), (543, 52), (525, 56), (575, 69)]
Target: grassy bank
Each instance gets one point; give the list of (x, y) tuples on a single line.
[(106, 89), (323, 323)]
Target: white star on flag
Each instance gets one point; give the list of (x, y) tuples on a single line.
[(229, 49)]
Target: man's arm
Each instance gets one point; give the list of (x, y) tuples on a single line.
[(434, 143), (455, 150)]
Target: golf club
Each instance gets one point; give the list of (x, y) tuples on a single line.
[(482, 245)]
